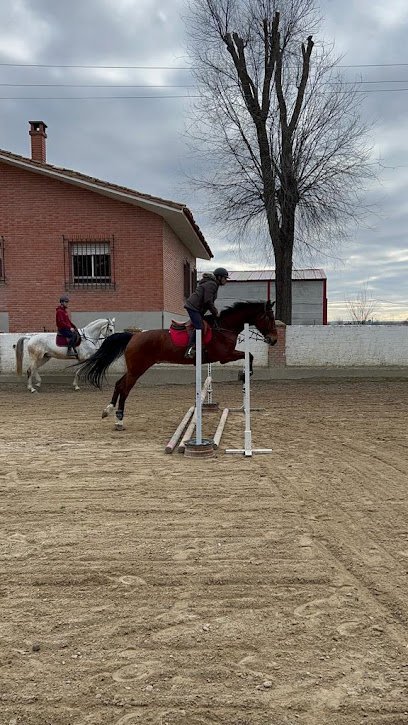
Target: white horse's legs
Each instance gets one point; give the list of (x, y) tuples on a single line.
[(30, 378), (32, 374), (75, 383)]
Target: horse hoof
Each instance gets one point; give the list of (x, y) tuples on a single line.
[(33, 390), (108, 410), (119, 426)]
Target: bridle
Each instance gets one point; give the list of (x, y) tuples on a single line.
[(254, 333), (106, 327)]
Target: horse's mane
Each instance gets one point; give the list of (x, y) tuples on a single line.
[(238, 306)]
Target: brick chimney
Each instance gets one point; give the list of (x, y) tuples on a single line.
[(38, 136)]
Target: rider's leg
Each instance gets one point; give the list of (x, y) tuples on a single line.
[(71, 352), (197, 322), (70, 337)]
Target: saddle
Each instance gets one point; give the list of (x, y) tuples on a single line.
[(180, 332), (61, 340)]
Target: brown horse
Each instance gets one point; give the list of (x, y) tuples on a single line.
[(146, 348)]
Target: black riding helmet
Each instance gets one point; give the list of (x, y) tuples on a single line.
[(64, 298), (221, 272)]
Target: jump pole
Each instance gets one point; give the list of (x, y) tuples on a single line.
[(179, 430), (198, 446), (192, 424), (220, 428), (247, 450)]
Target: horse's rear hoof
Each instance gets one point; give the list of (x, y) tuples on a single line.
[(119, 426), (108, 410)]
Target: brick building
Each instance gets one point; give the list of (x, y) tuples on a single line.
[(115, 251)]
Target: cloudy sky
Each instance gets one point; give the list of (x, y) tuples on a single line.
[(135, 135)]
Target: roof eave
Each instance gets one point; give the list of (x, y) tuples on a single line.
[(179, 219)]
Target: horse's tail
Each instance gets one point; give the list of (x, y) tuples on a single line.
[(94, 369), (19, 347)]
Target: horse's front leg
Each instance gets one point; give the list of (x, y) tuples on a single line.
[(83, 355), (75, 383), (234, 355), (241, 375)]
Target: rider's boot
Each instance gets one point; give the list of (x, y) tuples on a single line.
[(71, 352), (190, 352), (191, 348)]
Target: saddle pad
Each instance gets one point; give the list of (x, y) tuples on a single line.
[(179, 325), (62, 341), (180, 337)]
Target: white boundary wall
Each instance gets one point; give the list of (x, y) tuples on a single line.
[(8, 357), (306, 346), (347, 346)]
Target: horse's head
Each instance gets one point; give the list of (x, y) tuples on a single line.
[(109, 328), (264, 321), (258, 314)]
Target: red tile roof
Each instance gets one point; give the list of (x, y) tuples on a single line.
[(105, 185)]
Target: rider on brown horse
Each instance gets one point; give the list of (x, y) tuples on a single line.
[(202, 301)]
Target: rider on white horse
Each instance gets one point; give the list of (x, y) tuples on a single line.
[(65, 326)]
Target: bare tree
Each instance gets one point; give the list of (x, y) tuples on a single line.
[(361, 307), (284, 149)]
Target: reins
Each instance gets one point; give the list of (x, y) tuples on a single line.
[(90, 339)]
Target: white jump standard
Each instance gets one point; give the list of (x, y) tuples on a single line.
[(198, 446), (182, 436), (247, 450)]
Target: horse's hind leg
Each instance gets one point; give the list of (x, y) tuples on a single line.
[(241, 374), (111, 407), (31, 377), (123, 388), (32, 374), (39, 363)]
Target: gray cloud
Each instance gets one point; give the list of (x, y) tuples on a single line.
[(141, 143)]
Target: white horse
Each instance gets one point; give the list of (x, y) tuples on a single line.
[(42, 347)]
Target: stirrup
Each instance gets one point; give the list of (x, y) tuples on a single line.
[(190, 352)]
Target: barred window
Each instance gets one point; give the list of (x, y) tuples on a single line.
[(89, 263), (2, 265)]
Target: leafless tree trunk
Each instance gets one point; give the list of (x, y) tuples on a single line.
[(361, 307), (280, 136)]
